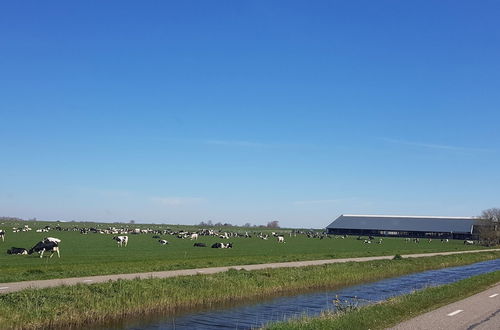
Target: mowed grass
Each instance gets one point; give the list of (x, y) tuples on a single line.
[(98, 254)]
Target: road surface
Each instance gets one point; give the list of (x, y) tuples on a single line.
[(479, 312), (17, 286)]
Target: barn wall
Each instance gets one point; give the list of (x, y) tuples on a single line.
[(387, 233)]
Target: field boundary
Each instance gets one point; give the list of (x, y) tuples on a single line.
[(18, 286)]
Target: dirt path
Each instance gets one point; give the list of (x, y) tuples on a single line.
[(17, 286)]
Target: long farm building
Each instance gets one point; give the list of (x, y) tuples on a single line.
[(403, 226)]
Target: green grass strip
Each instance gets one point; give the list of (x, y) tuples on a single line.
[(84, 305), (395, 310)]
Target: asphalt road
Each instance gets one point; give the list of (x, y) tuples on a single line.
[(479, 312), (17, 286)]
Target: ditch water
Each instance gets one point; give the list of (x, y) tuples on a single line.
[(258, 313)]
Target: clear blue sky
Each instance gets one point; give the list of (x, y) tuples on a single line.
[(248, 111)]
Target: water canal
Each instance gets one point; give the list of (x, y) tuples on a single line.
[(257, 313)]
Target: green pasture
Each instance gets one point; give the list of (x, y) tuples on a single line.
[(98, 254)]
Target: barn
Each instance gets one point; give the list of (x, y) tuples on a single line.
[(403, 226)]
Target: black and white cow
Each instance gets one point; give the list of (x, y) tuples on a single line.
[(163, 241), (15, 250), (199, 245), (50, 244), (222, 245), (2, 235), (121, 240)]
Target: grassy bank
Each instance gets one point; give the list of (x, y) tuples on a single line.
[(96, 254), (83, 305), (395, 310)]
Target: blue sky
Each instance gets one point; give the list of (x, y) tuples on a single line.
[(248, 111)]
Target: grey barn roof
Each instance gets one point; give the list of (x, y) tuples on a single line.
[(404, 223)]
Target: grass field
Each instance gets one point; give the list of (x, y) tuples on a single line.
[(98, 254)]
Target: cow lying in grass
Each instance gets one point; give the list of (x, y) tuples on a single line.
[(19, 251), (49, 244), (222, 245), (121, 240), (199, 245), (163, 242)]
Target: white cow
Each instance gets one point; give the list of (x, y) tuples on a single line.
[(281, 239), (121, 240), (194, 236)]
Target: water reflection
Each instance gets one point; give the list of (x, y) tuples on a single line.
[(257, 314)]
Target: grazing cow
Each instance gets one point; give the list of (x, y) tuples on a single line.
[(468, 242), (194, 236), (163, 241), (200, 245), (121, 240), (15, 250), (281, 239), (264, 237), (50, 244), (2, 235), (222, 245)]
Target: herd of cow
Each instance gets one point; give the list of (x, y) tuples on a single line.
[(51, 244)]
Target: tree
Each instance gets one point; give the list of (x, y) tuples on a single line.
[(489, 227), (273, 224), (492, 215)]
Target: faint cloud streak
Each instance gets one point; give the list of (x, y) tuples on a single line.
[(237, 143), (177, 201), (434, 146), (322, 201)]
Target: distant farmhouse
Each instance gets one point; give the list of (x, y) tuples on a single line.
[(403, 226)]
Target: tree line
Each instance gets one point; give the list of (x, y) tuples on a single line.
[(209, 223)]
